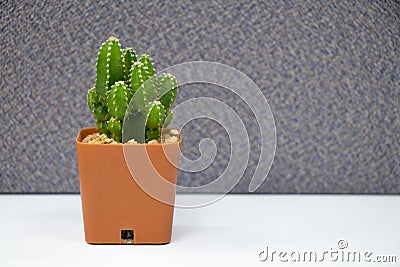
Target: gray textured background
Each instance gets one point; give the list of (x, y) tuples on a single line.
[(330, 72)]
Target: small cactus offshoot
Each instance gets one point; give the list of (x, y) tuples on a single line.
[(122, 78)]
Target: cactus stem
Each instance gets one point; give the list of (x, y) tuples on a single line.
[(120, 77)]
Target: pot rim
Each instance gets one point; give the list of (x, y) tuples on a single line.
[(92, 130)]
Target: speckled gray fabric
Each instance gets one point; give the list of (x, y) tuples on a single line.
[(329, 69)]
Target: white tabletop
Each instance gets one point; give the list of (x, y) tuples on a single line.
[(47, 230)]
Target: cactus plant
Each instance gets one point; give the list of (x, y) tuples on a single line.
[(125, 83)]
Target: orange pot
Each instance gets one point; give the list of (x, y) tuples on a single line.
[(116, 208)]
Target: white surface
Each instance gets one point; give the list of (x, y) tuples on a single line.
[(47, 230)]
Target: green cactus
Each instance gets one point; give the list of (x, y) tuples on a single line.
[(103, 127), (148, 109), (156, 115), (109, 68), (117, 100), (136, 77), (128, 60), (147, 67), (115, 127), (122, 78)]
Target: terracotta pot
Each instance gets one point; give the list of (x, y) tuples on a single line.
[(116, 209)]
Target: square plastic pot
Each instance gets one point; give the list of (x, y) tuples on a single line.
[(127, 191)]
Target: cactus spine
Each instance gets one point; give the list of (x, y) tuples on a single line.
[(120, 78)]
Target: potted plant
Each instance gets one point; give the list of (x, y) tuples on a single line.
[(130, 156)]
